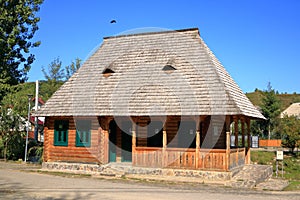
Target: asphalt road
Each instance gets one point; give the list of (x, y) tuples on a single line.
[(16, 182)]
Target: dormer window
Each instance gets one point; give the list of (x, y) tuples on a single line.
[(107, 72), (168, 68)]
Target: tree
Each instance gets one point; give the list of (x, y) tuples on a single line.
[(12, 133), (270, 108), (290, 129), (18, 24), (72, 68), (55, 71)]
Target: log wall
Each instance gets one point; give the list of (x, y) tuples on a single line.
[(71, 153)]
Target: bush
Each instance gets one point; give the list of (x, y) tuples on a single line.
[(35, 153), (16, 147)]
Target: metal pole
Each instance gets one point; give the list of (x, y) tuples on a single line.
[(36, 108), (28, 124)]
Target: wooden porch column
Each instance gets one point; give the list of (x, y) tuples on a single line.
[(133, 132), (164, 149), (243, 132), (106, 145), (248, 152), (103, 132), (236, 132), (197, 142), (227, 129), (236, 141)]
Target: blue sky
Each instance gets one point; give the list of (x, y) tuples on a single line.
[(257, 41)]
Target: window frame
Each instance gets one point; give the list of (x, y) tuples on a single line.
[(83, 127), (61, 127)]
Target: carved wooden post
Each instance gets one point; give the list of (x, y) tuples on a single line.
[(236, 132), (164, 149), (243, 132), (104, 123), (248, 152), (236, 141), (227, 129), (106, 145), (133, 132), (197, 143)]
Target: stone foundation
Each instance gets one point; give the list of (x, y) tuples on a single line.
[(123, 169), (72, 167)]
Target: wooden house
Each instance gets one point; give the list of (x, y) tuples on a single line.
[(158, 99)]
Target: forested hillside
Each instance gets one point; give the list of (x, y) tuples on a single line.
[(285, 99)]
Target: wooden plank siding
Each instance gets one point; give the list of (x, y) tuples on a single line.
[(71, 153)]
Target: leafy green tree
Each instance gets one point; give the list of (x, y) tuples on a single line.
[(270, 108), (17, 98), (18, 24), (290, 129), (12, 133), (72, 68)]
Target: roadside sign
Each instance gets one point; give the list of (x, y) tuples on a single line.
[(254, 143), (279, 155)]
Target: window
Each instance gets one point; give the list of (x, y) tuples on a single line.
[(107, 72), (61, 132), (168, 69), (83, 133), (187, 134), (155, 134)]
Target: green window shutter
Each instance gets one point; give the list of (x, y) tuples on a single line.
[(83, 133), (61, 132)]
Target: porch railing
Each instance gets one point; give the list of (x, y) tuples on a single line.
[(206, 159), (236, 157)]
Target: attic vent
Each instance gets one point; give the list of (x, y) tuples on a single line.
[(168, 68), (107, 72)]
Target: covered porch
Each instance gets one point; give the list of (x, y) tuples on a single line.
[(183, 142)]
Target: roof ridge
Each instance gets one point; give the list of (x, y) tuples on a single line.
[(152, 33)]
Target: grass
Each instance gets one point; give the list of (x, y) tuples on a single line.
[(294, 185), (263, 157), (291, 166)]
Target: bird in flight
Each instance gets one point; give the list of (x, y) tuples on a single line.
[(113, 21)]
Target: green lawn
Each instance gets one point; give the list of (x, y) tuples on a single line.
[(291, 166)]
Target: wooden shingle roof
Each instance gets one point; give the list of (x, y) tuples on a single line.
[(161, 73)]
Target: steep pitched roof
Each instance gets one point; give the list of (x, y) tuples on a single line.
[(161, 73), (292, 110)]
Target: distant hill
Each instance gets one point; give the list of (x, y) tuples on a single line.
[(286, 99)]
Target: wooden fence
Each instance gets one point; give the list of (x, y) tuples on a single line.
[(269, 143)]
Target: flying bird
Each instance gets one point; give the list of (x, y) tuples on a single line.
[(113, 21)]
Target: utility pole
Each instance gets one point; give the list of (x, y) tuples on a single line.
[(36, 125), (28, 124)]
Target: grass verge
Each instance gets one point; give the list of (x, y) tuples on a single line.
[(291, 166)]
